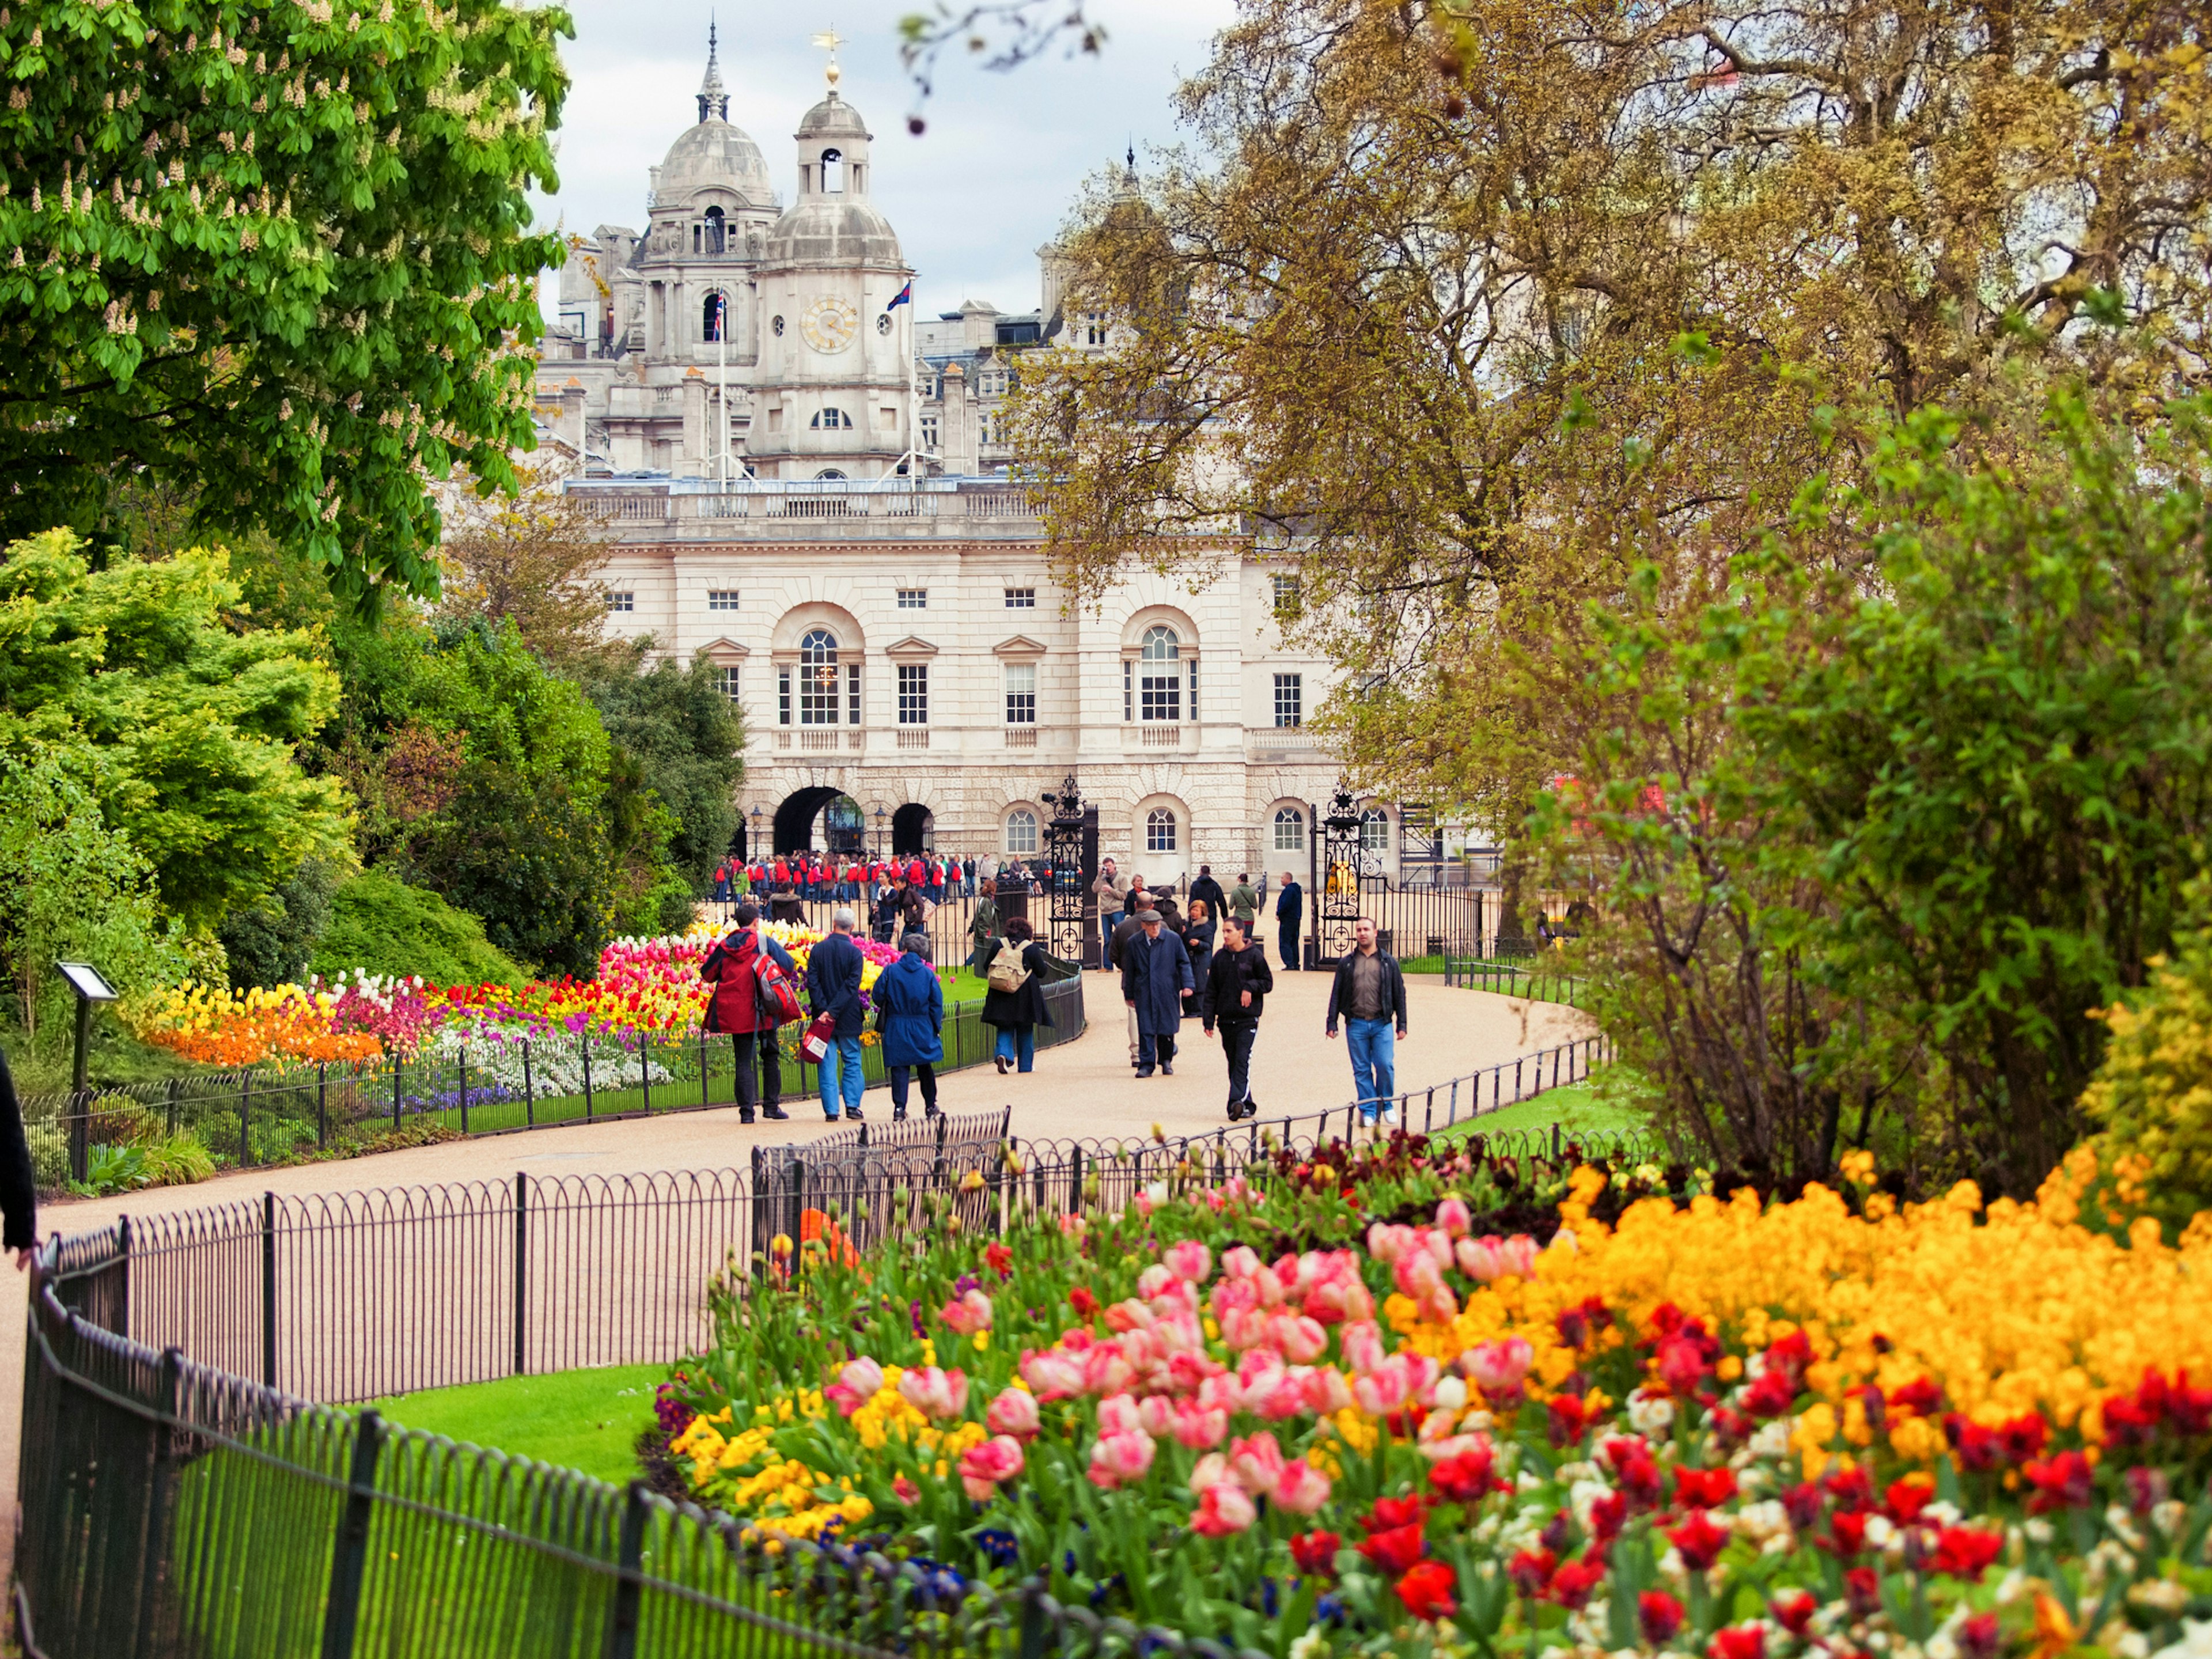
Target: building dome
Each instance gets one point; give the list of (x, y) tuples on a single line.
[(833, 230), (715, 154), (833, 118)]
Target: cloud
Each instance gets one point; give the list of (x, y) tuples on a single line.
[(990, 181)]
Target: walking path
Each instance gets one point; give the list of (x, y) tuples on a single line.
[(1085, 1089)]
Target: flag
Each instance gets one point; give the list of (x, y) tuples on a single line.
[(903, 297)]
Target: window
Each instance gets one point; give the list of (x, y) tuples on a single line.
[(1373, 831), (1159, 677), (717, 232), (1021, 694), (833, 172), (1290, 700), (832, 420), (1094, 328), (1290, 830), (1021, 598), (1021, 830), (710, 318), (783, 696), (621, 601), (829, 473), (929, 432), (818, 678), (1290, 597), (1129, 709), (852, 694), (914, 598), (991, 382), (721, 598), (1159, 830), (727, 679), (987, 428), (913, 693)]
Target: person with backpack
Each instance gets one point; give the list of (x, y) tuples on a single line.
[(909, 1002), (1014, 1002), (833, 988), (756, 991), (1238, 981)]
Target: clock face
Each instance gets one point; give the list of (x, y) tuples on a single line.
[(829, 323)]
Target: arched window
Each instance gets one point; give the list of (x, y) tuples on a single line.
[(833, 170), (711, 312), (1375, 830), (1159, 830), (818, 678), (833, 420), (1159, 679), (716, 231), (1021, 830), (830, 472), (1290, 830)]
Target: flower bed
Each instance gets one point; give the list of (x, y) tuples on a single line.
[(645, 990), (1330, 1405)]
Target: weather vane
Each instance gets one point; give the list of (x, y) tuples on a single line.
[(829, 41)]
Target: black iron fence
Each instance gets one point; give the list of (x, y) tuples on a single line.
[(269, 1115), (1533, 979), (183, 1494)]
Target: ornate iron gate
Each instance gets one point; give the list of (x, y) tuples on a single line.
[(1336, 906), (1073, 856)]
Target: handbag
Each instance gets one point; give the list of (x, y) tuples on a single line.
[(819, 1036)]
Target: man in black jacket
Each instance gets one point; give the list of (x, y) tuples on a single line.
[(1205, 887), (833, 986), (1290, 912), (1237, 987), (18, 1184), (1370, 992)]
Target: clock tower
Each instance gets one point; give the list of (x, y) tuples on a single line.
[(833, 394)]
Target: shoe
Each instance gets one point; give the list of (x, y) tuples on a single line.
[(744, 1117), (855, 1114), (1166, 1071), (932, 1111), (774, 1113), (999, 1060), (1390, 1118), (898, 1114), (1144, 1071), (828, 1117)]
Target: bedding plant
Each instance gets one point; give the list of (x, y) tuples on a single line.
[(1329, 1406)]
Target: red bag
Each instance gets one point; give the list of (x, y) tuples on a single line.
[(779, 997), (819, 1036)]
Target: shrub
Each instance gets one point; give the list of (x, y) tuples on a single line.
[(2153, 1094), (379, 923)]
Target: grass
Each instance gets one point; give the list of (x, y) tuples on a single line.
[(1604, 1105), (587, 1420)]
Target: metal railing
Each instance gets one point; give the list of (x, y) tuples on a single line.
[(266, 1115), (1530, 978)]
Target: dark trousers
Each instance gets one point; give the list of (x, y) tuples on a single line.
[(1237, 1036), (928, 1088), (1149, 1046), (1286, 940), (770, 1092)]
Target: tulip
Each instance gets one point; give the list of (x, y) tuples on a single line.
[(1453, 1218), (1189, 1260), (1255, 1462), (1105, 1369), (1213, 1469), (1301, 1488), (1052, 1375), (1362, 1346), (1302, 1341), (1121, 1460), (971, 1313), (1196, 1427), (1241, 1262), (1325, 1391), (1498, 1367), (1223, 1510), (1118, 1415), (983, 1468), (1154, 1279), (1426, 1590), (1014, 1411), (935, 1392)]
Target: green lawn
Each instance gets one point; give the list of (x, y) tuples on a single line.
[(1602, 1106), (587, 1420)]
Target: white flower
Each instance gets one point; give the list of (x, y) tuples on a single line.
[(2196, 1642), (1772, 1440), (2161, 1594), (2038, 1530), (1451, 1393), (2133, 1645), (1313, 1644), (1940, 1513), (1650, 1413), (1761, 1521)]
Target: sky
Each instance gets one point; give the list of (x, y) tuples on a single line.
[(972, 198)]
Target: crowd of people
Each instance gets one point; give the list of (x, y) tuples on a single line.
[(817, 876)]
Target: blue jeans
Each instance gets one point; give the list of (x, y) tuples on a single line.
[(1018, 1043), (841, 1069), (1374, 1046)]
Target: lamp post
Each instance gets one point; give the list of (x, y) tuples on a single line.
[(85, 980), (753, 848), (881, 817)]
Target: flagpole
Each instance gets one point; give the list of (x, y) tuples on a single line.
[(722, 336)]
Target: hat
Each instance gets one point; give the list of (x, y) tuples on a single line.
[(1148, 915)]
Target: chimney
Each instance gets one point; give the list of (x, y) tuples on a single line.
[(957, 439), (694, 464)]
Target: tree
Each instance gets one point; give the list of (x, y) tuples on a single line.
[(186, 730), (684, 732), (534, 560), (280, 258), (1468, 309), (271, 941)]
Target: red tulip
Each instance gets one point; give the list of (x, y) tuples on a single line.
[(1659, 1615), (1396, 1549), (1426, 1590)]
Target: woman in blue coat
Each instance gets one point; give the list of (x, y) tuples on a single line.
[(910, 1013)]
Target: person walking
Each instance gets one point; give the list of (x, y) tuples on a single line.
[(1237, 986), (1117, 954), (1289, 911), (1244, 905), (735, 1006), (1198, 936), (1016, 1009), (1370, 992), (982, 930), (1204, 886), (833, 986), (1155, 973), (1108, 890), (909, 1002)]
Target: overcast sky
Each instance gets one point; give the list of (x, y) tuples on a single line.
[(971, 198)]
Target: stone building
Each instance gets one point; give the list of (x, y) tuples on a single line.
[(818, 504)]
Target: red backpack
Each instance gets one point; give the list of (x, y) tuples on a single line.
[(779, 997)]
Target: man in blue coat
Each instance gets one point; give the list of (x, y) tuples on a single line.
[(1289, 911), (1155, 974), (833, 986)]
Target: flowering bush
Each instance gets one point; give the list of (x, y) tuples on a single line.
[(646, 989), (1720, 1426)]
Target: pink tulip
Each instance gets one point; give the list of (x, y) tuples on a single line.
[(935, 1392), (1073, 1226), (1303, 1340), (1477, 1258), (1255, 1462), (1362, 1346), (1386, 1243), (1154, 1279), (1014, 1411), (1212, 1470), (983, 1468), (1453, 1218), (1128, 1315), (1241, 1262), (1122, 1460), (1325, 1391), (1198, 1428), (856, 1384), (1052, 1375), (1301, 1488), (970, 1313), (1497, 1366), (1223, 1510), (1105, 1371), (1189, 1260), (1119, 1416), (1155, 1414)]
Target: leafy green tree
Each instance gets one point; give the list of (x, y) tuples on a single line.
[(280, 258), (685, 733), (379, 924), (187, 728), (271, 941)]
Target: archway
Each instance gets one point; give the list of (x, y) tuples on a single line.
[(913, 830), (821, 819)]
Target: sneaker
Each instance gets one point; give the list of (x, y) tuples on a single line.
[(774, 1113), (1000, 1061), (1390, 1117)]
